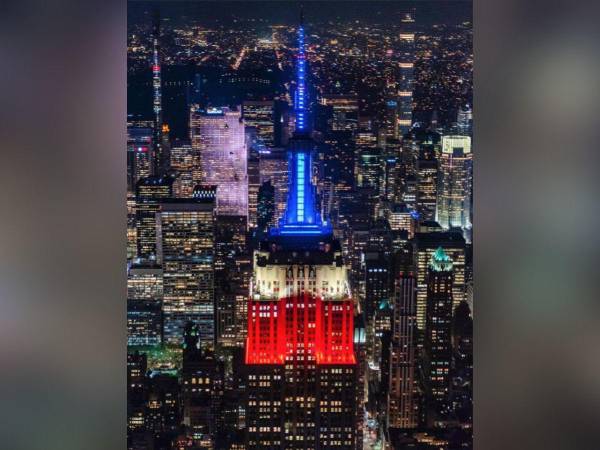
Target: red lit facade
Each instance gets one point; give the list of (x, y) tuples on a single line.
[(303, 326)]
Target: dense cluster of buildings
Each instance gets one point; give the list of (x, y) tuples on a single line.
[(299, 261)]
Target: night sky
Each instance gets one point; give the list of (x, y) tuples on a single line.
[(213, 12)]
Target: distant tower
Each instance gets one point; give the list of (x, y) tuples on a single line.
[(464, 120), (158, 159), (406, 64)]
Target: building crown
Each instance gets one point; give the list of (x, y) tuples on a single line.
[(440, 261)]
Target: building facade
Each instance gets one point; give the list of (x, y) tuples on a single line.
[(217, 134), (186, 239)]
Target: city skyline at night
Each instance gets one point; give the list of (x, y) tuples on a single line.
[(300, 225)]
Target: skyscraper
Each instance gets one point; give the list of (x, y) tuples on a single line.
[(438, 328), (376, 273), (406, 65), (300, 359), (425, 245), (137, 365), (369, 168), (261, 115), (427, 173), (186, 240), (185, 163), (160, 157), (253, 175), (274, 168), (402, 406), (149, 193), (202, 388), (139, 149), (144, 304), (231, 275), (464, 120), (217, 134), (454, 191), (344, 111), (266, 205)]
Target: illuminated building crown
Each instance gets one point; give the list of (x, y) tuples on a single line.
[(301, 216), (440, 261)]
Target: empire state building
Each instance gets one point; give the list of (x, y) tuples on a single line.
[(300, 360)]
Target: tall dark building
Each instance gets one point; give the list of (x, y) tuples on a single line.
[(377, 282), (201, 390), (461, 395), (163, 408), (438, 328), (231, 275), (266, 205), (144, 304), (139, 149), (425, 245), (253, 167), (160, 144), (300, 361), (136, 396), (402, 405), (426, 174)]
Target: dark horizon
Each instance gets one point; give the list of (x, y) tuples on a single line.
[(225, 12)]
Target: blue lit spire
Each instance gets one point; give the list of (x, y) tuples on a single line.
[(301, 216), (301, 98)]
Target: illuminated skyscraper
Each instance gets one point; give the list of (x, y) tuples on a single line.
[(425, 245), (217, 134), (144, 304), (464, 120), (376, 273), (139, 149), (185, 163), (401, 218), (402, 406), (344, 111), (149, 193), (253, 175), (260, 114), (266, 205), (160, 157), (137, 365), (231, 275), (186, 240), (301, 388), (131, 230), (274, 168), (454, 183), (438, 328), (369, 168), (427, 173), (406, 79), (391, 120)]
